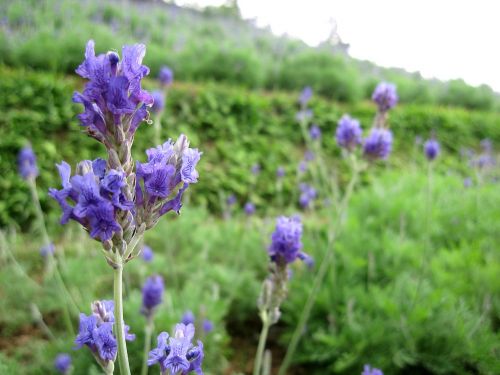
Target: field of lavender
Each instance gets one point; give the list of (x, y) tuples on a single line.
[(150, 224)]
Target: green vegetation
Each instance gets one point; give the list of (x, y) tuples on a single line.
[(212, 45)]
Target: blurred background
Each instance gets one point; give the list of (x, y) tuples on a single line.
[(414, 288)]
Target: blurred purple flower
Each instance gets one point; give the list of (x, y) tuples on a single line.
[(315, 132), (47, 249), (348, 133), (280, 172), (231, 200), (152, 294), (378, 144), (188, 317), (249, 208), (308, 194), (304, 115), (166, 75), (255, 169), (147, 253), (385, 96), (158, 101), (305, 96), (467, 182), (62, 363), (26, 162), (431, 149), (286, 240), (368, 370), (487, 145), (309, 155), (208, 325)]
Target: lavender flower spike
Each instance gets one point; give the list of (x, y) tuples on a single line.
[(62, 363), (188, 317), (249, 208), (348, 134), (176, 354), (315, 132), (166, 75), (368, 370), (378, 144), (280, 172), (147, 254), (385, 96), (286, 240), (431, 149), (158, 101), (305, 96), (26, 161), (152, 295)]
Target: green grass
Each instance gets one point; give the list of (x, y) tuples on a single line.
[(404, 299)]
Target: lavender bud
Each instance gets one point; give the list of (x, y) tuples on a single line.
[(280, 172), (385, 96), (249, 208), (314, 132), (147, 254), (368, 370), (305, 96), (188, 317), (166, 75), (348, 134), (431, 149), (158, 101), (152, 294), (378, 144), (62, 363), (26, 161)]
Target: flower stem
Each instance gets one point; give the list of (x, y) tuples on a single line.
[(318, 280), (148, 331), (119, 325), (262, 345)]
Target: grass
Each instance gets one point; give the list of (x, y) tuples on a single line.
[(393, 298)]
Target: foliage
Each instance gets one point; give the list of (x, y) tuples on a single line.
[(213, 44)]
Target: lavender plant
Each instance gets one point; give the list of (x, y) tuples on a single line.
[(116, 200), (176, 354), (376, 146), (62, 364), (285, 248), (152, 297)]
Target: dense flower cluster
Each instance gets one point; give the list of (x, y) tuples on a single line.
[(368, 370), (166, 75), (176, 353), (26, 162), (431, 149), (385, 96), (162, 180), (96, 332), (307, 196), (152, 294), (286, 240), (113, 97), (62, 363), (378, 144), (97, 195), (348, 134)]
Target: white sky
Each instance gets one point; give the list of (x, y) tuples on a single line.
[(445, 39)]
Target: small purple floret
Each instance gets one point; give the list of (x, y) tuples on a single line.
[(385, 96), (62, 363)]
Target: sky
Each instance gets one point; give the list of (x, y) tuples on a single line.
[(441, 39)]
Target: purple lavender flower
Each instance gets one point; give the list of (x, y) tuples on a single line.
[(256, 169), (286, 240), (249, 208), (47, 249), (158, 101), (385, 96), (177, 354), (307, 196), (431, 149), (314, 132), (467, 182), (309, 155), (96, 331), (152, 294), (97, 196), (188, 317), (26, 161), (166, 75), (348, 133), (207, 326), (378, 144), (368, 370), (305, 96), (62, 363), (302, 167), (487, 145), (114, 89), (304, 115), (280, 172), (147, 254), (231, 200)]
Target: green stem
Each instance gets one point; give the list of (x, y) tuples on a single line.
[(318, 280), (148, 331), (119, 325), (262, 345)]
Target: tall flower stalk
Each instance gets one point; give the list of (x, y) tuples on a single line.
[(376, 146), (116, 200)]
